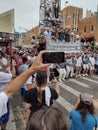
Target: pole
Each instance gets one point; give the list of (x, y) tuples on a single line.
[(11, 48), (21, 36)]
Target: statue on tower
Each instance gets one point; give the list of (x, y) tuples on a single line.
[(56, 9)]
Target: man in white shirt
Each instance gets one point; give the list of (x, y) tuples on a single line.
[(78, 65), (5, 78), (92, 64)]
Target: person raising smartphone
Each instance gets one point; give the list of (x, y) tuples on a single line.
[(41, 95), (18, 82)]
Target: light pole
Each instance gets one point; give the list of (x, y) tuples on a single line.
[(21, 35), (24, 28)]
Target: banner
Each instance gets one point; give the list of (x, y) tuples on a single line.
[(66, 47)]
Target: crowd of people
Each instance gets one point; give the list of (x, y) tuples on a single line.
[(25, 71), (60, 35)]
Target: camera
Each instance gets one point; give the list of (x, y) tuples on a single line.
[(53, 57)]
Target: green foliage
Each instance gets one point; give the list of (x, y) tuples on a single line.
[(96, 47)]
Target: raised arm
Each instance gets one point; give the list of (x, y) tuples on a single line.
[(18, 82), (57, 87)]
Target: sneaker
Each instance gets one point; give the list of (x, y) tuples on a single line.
[(64, 79), (83, 75), (60, 80), (86, 74)]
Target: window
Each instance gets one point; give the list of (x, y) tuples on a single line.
[(73, 18), (84, 29), (92, 28)]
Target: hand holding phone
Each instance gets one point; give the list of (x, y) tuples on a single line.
[(53, 57)]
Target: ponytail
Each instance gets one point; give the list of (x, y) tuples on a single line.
[(41, 81), (39, 95)]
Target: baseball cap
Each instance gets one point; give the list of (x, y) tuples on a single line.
[(86, 98)]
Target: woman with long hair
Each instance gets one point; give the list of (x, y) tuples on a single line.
[(83, 116), (41, 95)]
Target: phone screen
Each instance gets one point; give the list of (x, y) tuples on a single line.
[(53, 57)]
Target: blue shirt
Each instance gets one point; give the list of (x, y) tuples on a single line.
[(23, 68), (62, 65), (96, 60), (85, 60), (77, 123)]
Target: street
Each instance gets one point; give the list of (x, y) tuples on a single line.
[(70, 91)]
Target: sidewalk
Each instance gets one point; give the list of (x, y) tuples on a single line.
[(11, 124), (17, 114)]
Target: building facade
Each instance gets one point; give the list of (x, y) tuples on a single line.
[(7, 21), (88, 27), (28, 36), (71, 16)]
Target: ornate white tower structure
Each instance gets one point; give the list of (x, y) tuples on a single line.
[(50, 12)]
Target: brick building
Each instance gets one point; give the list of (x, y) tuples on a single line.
[(71, 16), (88, 27), (28, 36)]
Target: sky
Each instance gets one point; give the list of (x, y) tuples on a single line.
[(27, 11)]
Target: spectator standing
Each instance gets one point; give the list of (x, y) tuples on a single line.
[(22, 69), (82, 116), (92, 64), (62, 71), (5, 78), (42, 94), (96, 63), (18, 82), (69, 65), (78, 65), (85, 60)]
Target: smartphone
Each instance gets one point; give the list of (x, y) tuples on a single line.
[(53, 57), (51, 77)]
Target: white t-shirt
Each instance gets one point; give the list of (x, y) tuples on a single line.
[(3, 103), (5, 78), (52, 66), (79, 61), (33, 58), (92, 60), (29, 81), (4, 61), (29, 58)]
